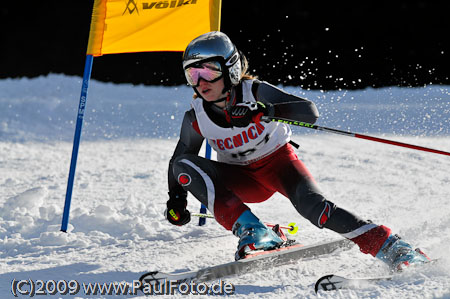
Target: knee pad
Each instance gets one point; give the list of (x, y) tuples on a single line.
[(312, 205), (179, 167), (193, 173), (321, 213), (325, 214)]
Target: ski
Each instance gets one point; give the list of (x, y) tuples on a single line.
[(335, 282), (254, 262)]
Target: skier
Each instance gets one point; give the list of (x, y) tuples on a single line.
[(255, 159)]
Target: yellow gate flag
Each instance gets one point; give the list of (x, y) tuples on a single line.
[(127, 26)]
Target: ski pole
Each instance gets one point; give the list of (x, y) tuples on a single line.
[(292, 228), (350, 134), (200, 215)]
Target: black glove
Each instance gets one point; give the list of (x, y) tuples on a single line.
[(176, 212), (242, 114)]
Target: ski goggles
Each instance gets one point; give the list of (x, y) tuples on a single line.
[(210, 71)]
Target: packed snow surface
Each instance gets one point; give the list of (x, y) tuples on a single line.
[(117, 230)]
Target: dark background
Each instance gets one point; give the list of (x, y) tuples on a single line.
[(312, 44)]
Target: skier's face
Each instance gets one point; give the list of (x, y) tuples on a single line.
[(211, 91)]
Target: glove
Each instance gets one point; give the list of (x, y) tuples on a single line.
[(176, 212), (242, 114)]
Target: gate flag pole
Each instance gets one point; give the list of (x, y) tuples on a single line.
[(76, 140)]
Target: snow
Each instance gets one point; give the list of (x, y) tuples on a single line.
[(117, 229)]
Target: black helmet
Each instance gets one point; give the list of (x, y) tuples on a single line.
[(215, 46)]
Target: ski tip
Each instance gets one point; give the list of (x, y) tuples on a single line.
[(146, 275), (149, 277), (336, 282), (318, 286)]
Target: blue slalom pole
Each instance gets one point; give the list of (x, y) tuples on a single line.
[(201, 220), (76, 140)]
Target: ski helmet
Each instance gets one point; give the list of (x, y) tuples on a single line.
[(215, 46)]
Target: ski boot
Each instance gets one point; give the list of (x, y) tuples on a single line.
[(254, 235), (398, 254)]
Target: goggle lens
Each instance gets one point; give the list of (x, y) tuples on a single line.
[(208, 71)]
